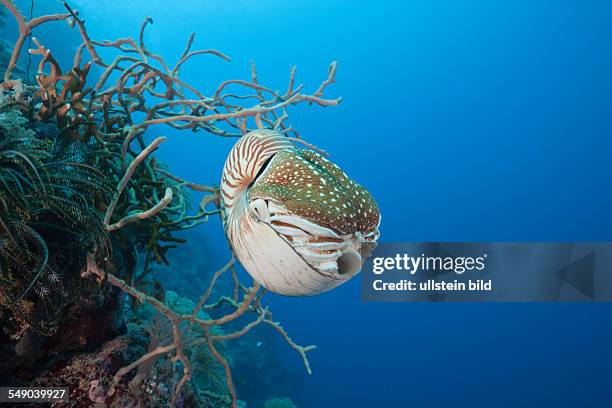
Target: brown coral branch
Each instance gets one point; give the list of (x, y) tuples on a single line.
[(93, 269), (213, 280), (239, 333), (180, 356), (187, 46), (25, 29), (300, 349), (255, 80), (189, 184), (78, 56), (145, 368), (177, 344), (56, 71), (226, 367), (86, 40), (248, 84), (128, 175), (110, 69), (236, 283), (120, 45), (147, 21), (291, 82), (242, 308), (249, 112), (198, 52), (151, 355), (331, 78), (142, 215)]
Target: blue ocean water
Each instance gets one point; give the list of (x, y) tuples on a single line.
[(467, 120)]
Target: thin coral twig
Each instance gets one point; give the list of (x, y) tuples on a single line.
[(308, 145), (86, 40), (213, 280), (331, 78), (300, 349), (226, 367), (188, 184), (142, 215), (128, 175)]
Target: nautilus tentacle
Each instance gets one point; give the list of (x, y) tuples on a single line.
[(296, 222)]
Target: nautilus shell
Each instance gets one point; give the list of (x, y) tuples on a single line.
[(297, 223)]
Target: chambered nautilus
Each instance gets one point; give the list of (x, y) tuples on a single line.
[(297, 223)]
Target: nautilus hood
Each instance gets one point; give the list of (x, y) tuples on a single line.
[(296, 221), (306, 183)]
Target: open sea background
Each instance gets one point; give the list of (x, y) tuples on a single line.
[(467, 120)]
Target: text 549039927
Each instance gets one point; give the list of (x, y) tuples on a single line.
[(33, 394)]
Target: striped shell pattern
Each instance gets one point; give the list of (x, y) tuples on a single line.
[(297, 223)]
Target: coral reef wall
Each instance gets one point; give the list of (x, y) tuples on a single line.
[(87, 213)]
